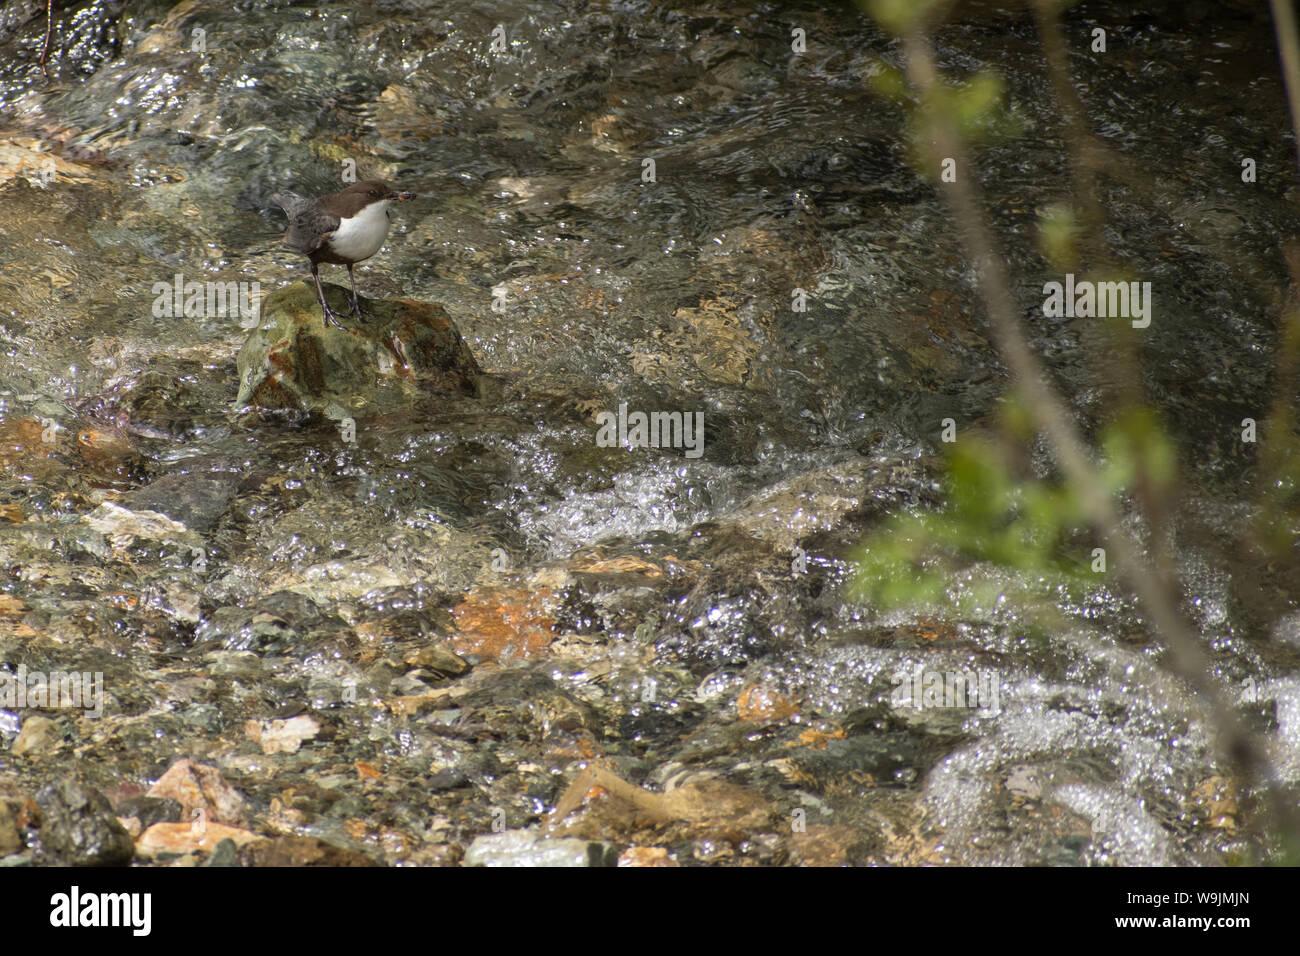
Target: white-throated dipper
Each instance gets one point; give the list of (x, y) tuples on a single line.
[(344, 229)]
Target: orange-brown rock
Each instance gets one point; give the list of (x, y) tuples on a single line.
[(821, 845), (646, 856), (504, 623), (626, 564), (763, 702), (704, 805), (299, 851), (182, 839), (198, 787)]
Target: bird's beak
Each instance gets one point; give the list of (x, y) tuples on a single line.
[(403, 197)]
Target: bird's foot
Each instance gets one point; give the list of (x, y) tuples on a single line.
[(355, 309), (331, 317)]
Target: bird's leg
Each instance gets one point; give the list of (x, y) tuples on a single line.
[(355, 308), (326, 311)]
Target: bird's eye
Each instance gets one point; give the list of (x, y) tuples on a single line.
[(374, 192)]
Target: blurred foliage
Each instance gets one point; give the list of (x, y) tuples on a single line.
[(979, 108), (1006, 508), (997, 512), (899, 16), (1058, 237)]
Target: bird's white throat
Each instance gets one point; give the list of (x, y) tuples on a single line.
[(361, 236)]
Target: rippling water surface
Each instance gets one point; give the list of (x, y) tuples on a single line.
[(582, 286)]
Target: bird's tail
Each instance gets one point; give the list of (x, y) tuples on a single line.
[(287, 200)]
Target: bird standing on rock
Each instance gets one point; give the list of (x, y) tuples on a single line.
[(343, 228)]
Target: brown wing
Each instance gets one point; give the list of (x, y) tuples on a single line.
[(309, 228)]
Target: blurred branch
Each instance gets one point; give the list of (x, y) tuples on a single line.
[(49, 32), (1288, 48), (1083, 154), (1281, 419), (1086, 158), (1185, 657)]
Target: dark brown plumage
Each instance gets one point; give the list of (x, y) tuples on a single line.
[(344, 228)]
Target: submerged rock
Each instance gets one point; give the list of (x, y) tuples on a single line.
[(196, 501), (148, 810), (197, 787), (282, 736), (299, 851), (40, 736), (11, 836), (186, 839), (528, 848), (400, 350), (79, 828)]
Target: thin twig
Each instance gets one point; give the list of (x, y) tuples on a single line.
[(1288, 48), (49, 32)]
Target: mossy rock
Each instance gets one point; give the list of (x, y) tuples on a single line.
[(400, 351)]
